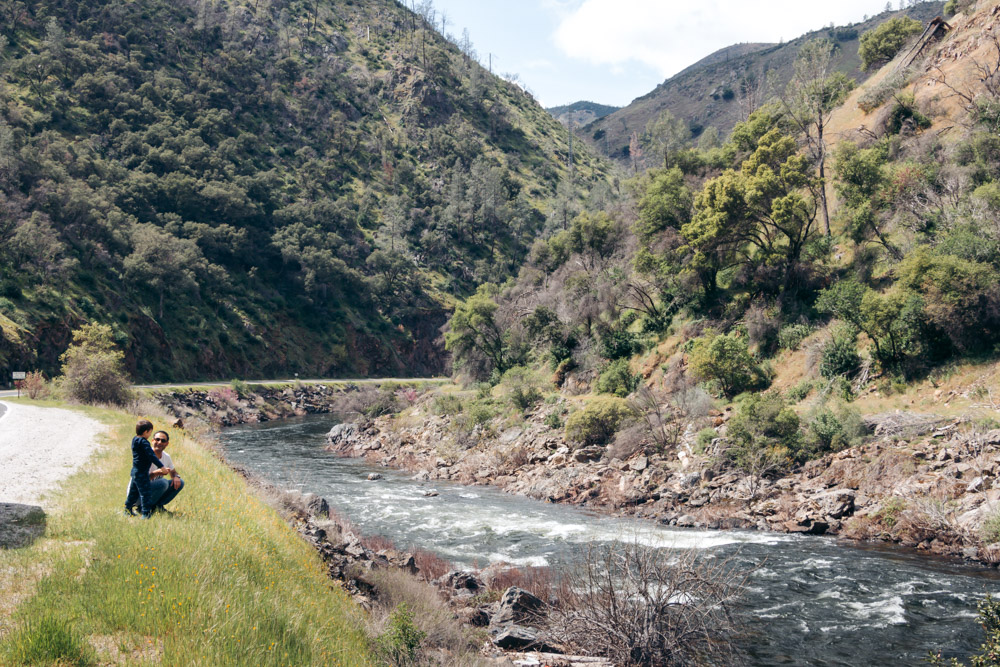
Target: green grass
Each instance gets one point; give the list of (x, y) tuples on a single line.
[(223, 581)]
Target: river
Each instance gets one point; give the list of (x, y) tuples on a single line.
[(811, 600)]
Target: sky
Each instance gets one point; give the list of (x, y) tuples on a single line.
[(612, 51)]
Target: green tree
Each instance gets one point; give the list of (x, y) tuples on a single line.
[(598, 421), (666, 203), (93, 368), (881, 44), (814, 91), (761, 214), (726, 359), (481, 344)]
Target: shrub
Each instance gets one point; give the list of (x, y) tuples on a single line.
[(597, 423), (801, 390), (401, 639), (792, 335), (521, 388), (618, 343), (617, 379), (554, 420), (831, 431), (642, 605), (840, 355), (34, 384), (727, 360), (240, 387), (763, 423), (881, 44), (874, 96), (704, 438), (93, 367), (989, 531)]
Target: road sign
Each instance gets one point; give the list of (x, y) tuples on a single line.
[(18, 375)]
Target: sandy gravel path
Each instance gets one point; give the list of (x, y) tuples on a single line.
[(39, 447)]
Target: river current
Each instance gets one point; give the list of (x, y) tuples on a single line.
[(810, 601)]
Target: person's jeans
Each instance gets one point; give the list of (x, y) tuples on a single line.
[(161, 492)]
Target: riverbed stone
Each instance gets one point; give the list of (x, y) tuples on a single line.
[(374, 476)]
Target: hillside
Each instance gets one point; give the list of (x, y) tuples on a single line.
[(581, 113), (718, 90), (258, 188)]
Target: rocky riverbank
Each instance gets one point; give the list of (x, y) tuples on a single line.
[(228, 406), (922, 481), (511, 619)]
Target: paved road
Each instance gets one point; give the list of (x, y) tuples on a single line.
[(224, 383)]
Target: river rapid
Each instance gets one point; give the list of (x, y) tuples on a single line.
[(810, 601)]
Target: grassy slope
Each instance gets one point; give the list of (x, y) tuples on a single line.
[(224, 581)]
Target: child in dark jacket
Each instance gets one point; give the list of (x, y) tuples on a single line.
[(143, 457)]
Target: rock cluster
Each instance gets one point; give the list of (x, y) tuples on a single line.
[(226, 407)]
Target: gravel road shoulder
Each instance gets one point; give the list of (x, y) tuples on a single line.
[(39, 447)]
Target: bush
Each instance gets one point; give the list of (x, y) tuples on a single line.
[(727, 360), (93, 367), (874, 96), (791, 336), (641, 605), (840, 355), (401, 639), (764, 423), (989, 620), (521, 388), (989, 531), (446, 404), (704, 438), (34, 384), (831, 431), (240, 387), (800, 391), (597, 423), (618, 343), (617, 379), (880, 45)]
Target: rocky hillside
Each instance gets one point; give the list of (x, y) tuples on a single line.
[(579, 114), (248, 188), (721, 89)]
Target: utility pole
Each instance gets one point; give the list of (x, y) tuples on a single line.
[(569, 125)]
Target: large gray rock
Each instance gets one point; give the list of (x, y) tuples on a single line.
[(316, 505), (20, 525), (346, 433), (462, 584), (517, 606)]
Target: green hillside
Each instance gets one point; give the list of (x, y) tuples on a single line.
[(258, 187)]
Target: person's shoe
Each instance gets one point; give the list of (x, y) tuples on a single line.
[(163, 510), (146, 515), (129, 511)]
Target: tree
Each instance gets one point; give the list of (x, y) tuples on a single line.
[(881, 44), (726, 359), (666, 203), (666, 134), (861, 179), (761, 214), (811, 96), (93, 367), (480, 343)]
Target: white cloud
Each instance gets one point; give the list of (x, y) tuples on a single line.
[(669, 35)]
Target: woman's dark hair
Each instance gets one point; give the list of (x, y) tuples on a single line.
[(142, 426)]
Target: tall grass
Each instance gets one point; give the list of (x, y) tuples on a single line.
[(222, 581)]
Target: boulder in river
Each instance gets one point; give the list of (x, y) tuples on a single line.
[(374, 476)]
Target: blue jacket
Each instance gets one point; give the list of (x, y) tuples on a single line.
[(143, 455)]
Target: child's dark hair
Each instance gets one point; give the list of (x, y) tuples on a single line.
[(142, 426)]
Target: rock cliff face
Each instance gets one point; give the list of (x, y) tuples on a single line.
[(923, 483)]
